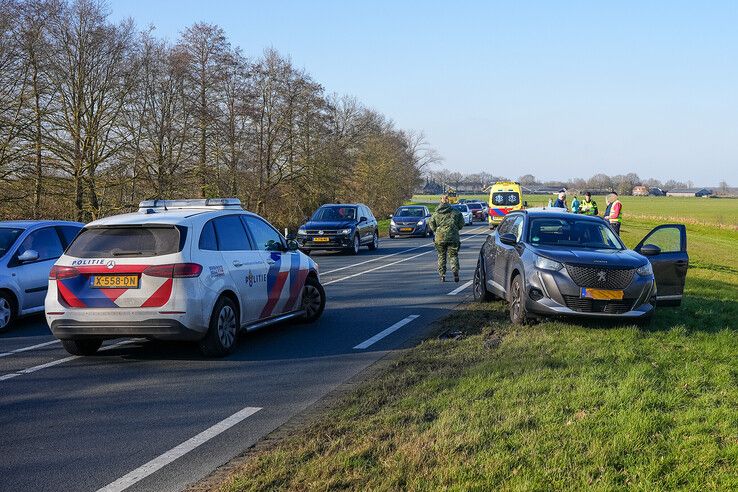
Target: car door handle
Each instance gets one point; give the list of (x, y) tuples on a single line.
[(237, 263)]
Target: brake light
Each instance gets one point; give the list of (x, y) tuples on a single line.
[(174, 270), (61, 272)]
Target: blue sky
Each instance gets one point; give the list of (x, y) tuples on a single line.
[(555, 89)]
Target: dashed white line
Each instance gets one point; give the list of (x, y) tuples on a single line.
[(177, 452), (26, 349), (353, 275), (460, 288), (368, 343), (53, 363)]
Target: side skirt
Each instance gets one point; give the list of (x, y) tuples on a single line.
[(272, 320)]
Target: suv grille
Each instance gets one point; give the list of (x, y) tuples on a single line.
[(609, 278), (326, 232), (583, 305)]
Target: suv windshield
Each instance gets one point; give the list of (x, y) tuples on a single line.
[(474, 205), (461, 208), (410, 212), (8, 236), (134, 241), (506, 198), (335, 213), (572, 233)]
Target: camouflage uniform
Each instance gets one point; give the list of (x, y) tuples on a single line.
[(445, 224)]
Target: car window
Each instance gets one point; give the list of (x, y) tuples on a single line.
[(668, 239), (8, 237), (335, 213), (505, 198), (474, 205), (265, 236), (45, 242), (410, 212), (133, 241), (517, 227), (208, 241), (573, 233), (68, 234), (231, 234)]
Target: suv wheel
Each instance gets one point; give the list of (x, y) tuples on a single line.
[(356, 245), (375, 241), (313, 300), (82, 347), (518, 314), (7, 311), (481, 294), (222, 331)]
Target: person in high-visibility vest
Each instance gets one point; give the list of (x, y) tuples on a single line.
[(588, 206), (614, 212)]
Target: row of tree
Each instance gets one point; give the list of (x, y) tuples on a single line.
[(96, 115)]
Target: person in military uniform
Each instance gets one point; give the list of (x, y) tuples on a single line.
[(445, 224)]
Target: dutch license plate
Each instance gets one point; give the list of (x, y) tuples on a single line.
[(406, 229), (115, 281), (321, 239), (602, 294)]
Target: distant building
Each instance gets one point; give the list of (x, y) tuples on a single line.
[(640, 190), (541, 190), (432, 188), (698, 192)]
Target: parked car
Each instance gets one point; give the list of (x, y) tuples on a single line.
[(410, 220), (200, 270), (28, 250), (477, 210), (346, 227), (553, 263), (464, 209)]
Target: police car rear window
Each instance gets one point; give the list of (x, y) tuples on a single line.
[(128, 242), (505, 198)]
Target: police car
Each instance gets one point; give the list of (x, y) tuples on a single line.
[(199, 270)]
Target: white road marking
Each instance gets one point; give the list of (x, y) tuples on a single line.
[(26, 349), (388, 264), (385, 332), (53, 363), (460, 288), (427, 245), (177, 452)]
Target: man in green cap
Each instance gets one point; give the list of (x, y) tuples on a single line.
[(445, 224)]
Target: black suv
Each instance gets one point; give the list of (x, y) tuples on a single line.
[(547, 262), (339, 226)]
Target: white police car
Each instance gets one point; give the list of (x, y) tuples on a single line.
[(196, 270)]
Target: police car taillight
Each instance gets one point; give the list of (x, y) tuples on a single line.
[(174, 270), (61, 272)]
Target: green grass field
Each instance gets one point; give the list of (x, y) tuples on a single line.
[(556, 405)]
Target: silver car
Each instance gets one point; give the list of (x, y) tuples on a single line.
[(28, 250)]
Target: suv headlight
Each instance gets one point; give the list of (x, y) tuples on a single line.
[(301, 232), (420, 222), (346, 232), (392, 222), (546, 264), (646, 270)]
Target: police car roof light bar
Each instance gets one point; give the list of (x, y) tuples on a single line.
[(211, 203)]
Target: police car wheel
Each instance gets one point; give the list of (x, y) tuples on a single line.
[(82, 347), (222, 331), (375, 242), (7, 312), (313, 300)]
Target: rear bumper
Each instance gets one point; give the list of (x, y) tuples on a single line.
[(161, 329)]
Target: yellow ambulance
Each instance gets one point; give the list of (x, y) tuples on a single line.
[(504, 197)]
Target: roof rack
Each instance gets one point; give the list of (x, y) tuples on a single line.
[(151, 206)]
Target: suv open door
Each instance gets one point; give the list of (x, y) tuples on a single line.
[(666, 248)]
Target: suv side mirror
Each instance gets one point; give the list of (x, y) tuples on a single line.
[(650, 250), (525, 203), (292, 245), (362, 219), (291, 236), (392, 216), (509, 239), (28, 255)]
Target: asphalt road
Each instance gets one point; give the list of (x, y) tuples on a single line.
[(158, 416)]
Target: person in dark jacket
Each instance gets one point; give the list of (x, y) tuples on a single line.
[(445, 224), (560, 201)]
